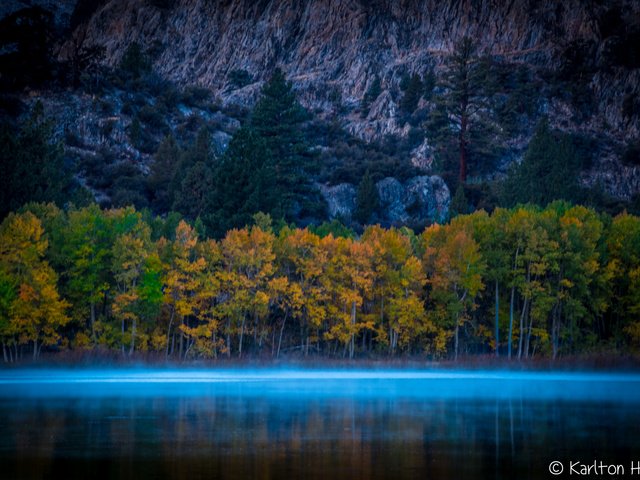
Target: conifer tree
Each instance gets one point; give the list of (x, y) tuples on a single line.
[(277, 119), (412, 94), (243, 184), (134, 62), (547, 172), (163, 171), (191, 199), (459, 204), (367, 199), (31, 164), (462, 124)]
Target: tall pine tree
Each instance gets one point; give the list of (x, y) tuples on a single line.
[(163, 171), (278, 119), (548, 171), (367, 199), (32, 164), (462, 124), (243, 184)]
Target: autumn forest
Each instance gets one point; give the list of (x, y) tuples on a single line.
[(518, 283)]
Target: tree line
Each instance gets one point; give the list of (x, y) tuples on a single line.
[(518, 283)]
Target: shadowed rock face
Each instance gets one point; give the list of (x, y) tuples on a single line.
[(420, 200), (333, 49), (341, 199), (328, 45)]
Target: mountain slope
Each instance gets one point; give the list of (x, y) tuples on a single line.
[(333, 50)]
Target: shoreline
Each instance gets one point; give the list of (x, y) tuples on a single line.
[(593, 362)]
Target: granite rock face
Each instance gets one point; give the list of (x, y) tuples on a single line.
[(333, 49), (420, 200), (341, 200)]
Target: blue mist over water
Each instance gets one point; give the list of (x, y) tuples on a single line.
[(292, 383), (311, 423)]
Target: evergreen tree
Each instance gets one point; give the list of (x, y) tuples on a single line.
[(134, 62), (548, 171), (191, 199), (243, 184), (367, 199), (193, 176), (459, 204), (412, 94), (462, 125), (428, 84), (32, 164), (163, 171), (277, 119), (200, 151), (135, 133)]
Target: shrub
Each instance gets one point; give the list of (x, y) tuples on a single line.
[(239, 78), (151, 117), (195, 96)]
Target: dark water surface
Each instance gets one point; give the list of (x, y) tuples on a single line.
[(337, 424)]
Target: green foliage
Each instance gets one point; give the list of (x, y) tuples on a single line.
[(243, 184), (623, 250), (522, 282), (548, 171), (278, 120), (195, 96), (239, 78), (128, 186), (163, 171), (263, 221), (191, 200), (428, 84), (462, 127), (31, 164), (153, 118), (200, 150), (519, 99), (335, 228), (413, 89), (7, 297), (30, 295), (459, 204), (367, 199), (135, 132), (347, 158), (134, 62), (199, 153)]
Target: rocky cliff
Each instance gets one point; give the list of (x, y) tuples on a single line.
[(420, 200), (333, 49)]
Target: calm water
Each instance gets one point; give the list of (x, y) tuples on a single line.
[(312, 424)]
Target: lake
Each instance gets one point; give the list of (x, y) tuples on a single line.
[(278, 423)]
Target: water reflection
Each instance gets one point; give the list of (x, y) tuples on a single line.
[(254, 436), (259, 438)]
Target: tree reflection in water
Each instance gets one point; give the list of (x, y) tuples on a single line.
[(266, 437)]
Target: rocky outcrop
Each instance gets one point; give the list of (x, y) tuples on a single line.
[(341, 200), (422, 156), (423, 199), (420, 200), (427, 198), (333, 49)]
